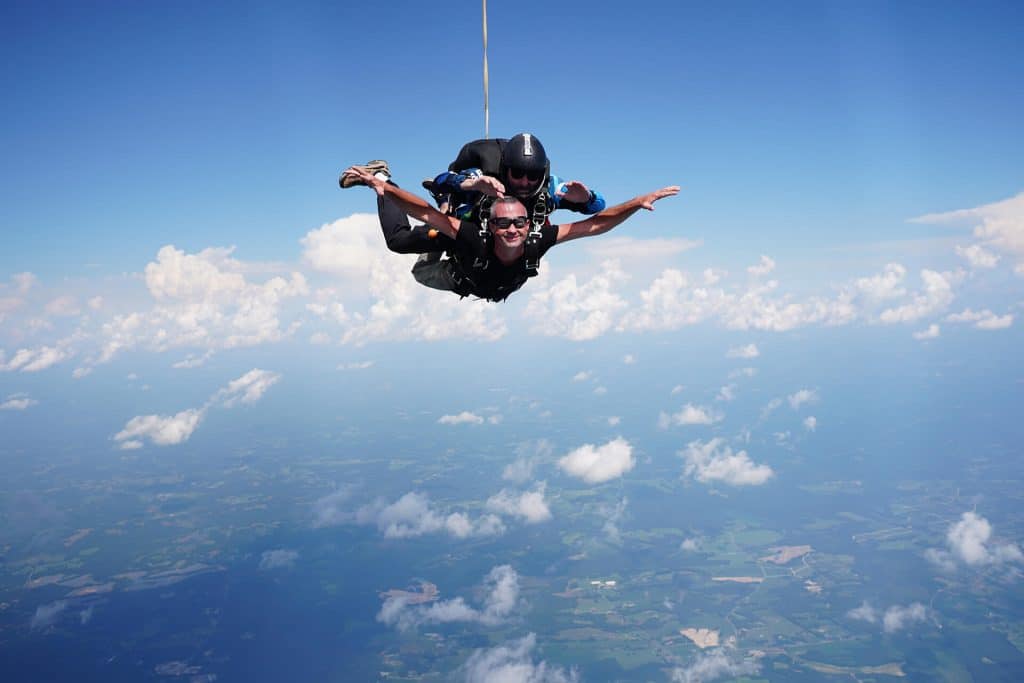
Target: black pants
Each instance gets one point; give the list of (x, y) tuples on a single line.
[(402, 238)]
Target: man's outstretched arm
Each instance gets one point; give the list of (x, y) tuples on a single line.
[(409, 203), (609, 218)]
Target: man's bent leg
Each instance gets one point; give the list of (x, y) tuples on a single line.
[(403, 238)]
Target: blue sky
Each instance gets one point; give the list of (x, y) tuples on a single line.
[(170, 178)]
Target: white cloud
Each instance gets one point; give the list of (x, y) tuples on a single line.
[(578, 311), (763, 267), (677, 389), (743, 372), (614, 420), (629, 359), (581, 376), (969, 542), (412, 515), (169, 430), (726, 393), (936, 295), (712, 276), (931, 332), (161, 430), (18, 402), (597, 464), (983, 320), (46, 615), (192, 361), (999, 225), (713, 665), (465, 417), (770, 407), (887, 285), (278, 559), (748, 351), (529, 505), (63, 306), (513, 663), (713, 461), (329, 511), (202, 301), (34, 360), (357, 365), (690, 545), (977, 256), (23, 282), (248, 388), (802, 397), (600, 391), (95, 303), (895, 618), (501, 587), (810, 423), (690, 415)]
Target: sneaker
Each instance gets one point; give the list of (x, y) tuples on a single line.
[(373, 167)]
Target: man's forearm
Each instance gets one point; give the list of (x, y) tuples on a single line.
[(613, 216)]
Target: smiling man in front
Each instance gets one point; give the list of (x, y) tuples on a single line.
[(489, 258)]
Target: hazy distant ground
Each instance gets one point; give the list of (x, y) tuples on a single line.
[(259, 549)]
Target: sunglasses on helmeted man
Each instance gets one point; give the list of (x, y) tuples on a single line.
[(518, 173), (504, 222)]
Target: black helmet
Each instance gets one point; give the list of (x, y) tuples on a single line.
[(524, 154)]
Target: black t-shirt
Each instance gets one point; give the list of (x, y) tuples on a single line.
[(476, 271)]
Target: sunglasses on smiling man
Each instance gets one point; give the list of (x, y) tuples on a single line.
[(504, 222)]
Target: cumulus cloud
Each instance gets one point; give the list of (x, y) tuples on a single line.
[(714, 461), (763, 267), (356, 365), (464, 417), (34, 360), (629, 359), (998, 226), (18, 402), (581, 376), (169, 430), (47, 615), (350, 249), (810, 423), (970, 543), (931, 332), (192, 361), (690, 545), (802, 397), (248, 388), (529, 506), (278, 559), (977, 256), (983, 320), (501, 599), (160, 430), (726, 393), (513, 663), (597, 464), (935, 296), (579, 311), (412, 515), (689, 415), (614, 420), (330, 511), (715, 664), (748, 351), (895, 618)]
